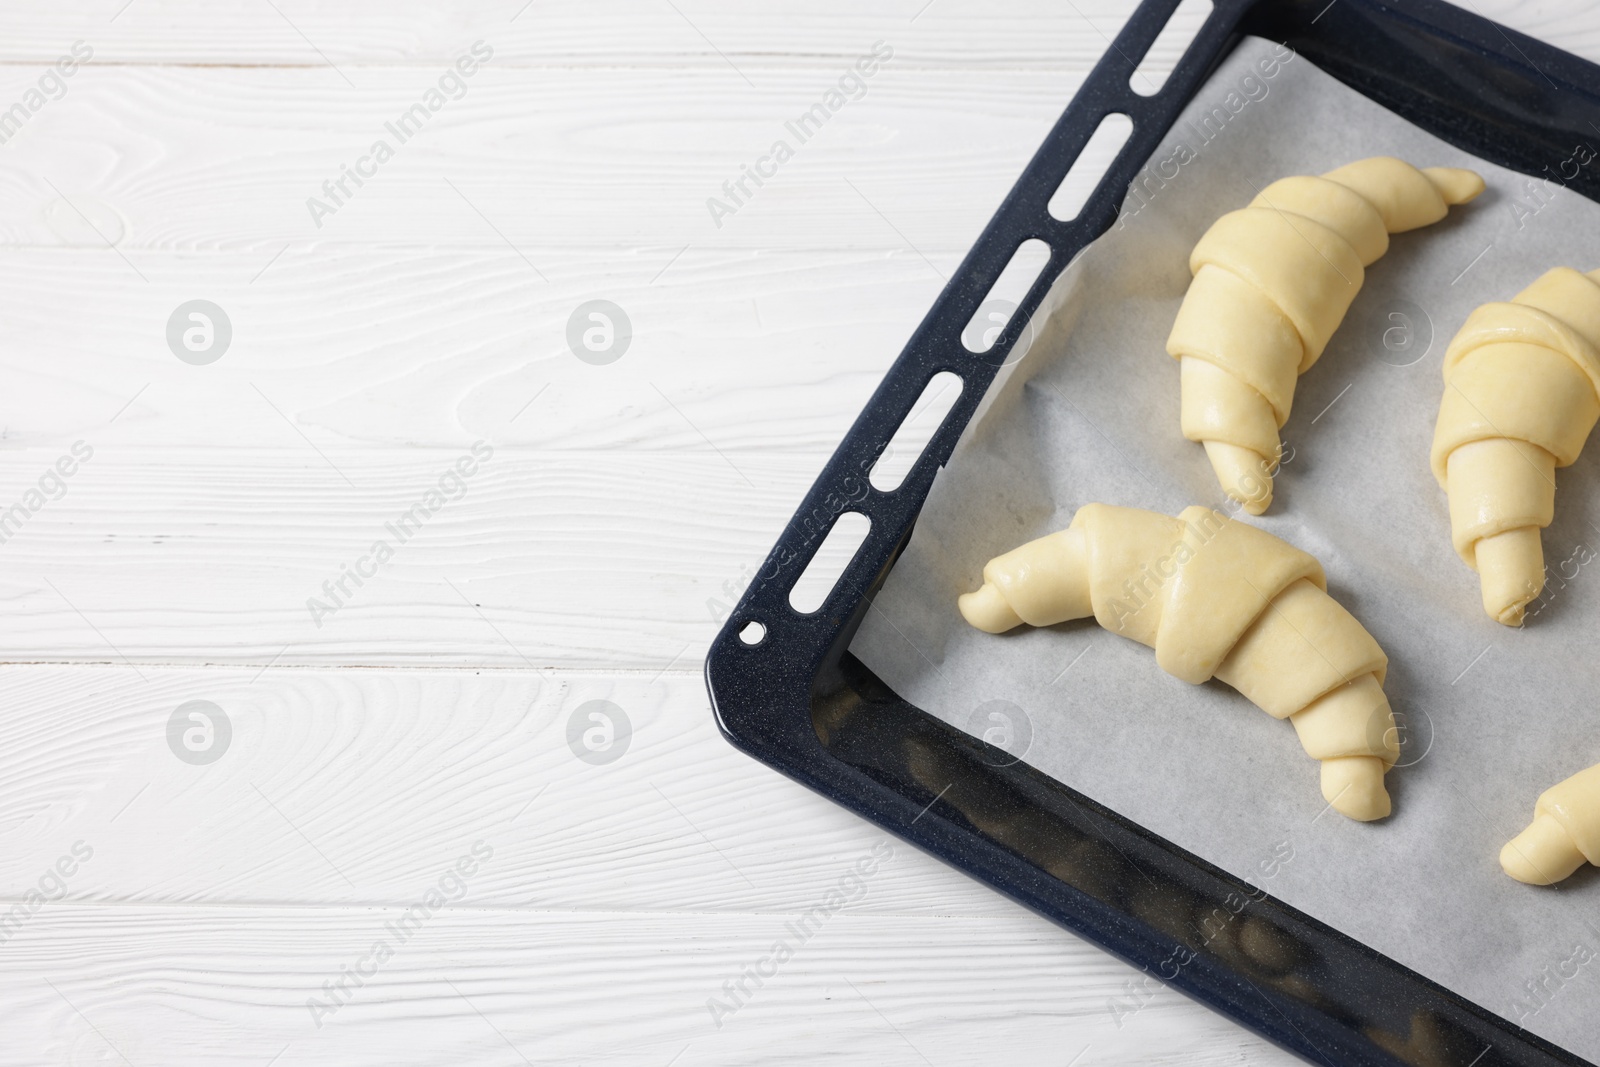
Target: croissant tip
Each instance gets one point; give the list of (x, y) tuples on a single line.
[(1510, 573), (1353, 786), (1244, 475), (1543, 854), (1515, 864), (1256, 505), (1456, 186), (1368, 810), (1513, 616), (988, 610)]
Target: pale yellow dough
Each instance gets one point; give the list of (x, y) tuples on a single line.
[(1272, 282), (1215, 598), (1564, 833), (1522, 392)]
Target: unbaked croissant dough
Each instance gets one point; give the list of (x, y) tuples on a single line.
[(1522, 392), (1565, 831), (1215, 598), (1272, 282)]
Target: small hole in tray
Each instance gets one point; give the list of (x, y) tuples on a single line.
[(753, 633), (996, 311), (1099, 152), (1169, 46), (918, 428), (811, 589)]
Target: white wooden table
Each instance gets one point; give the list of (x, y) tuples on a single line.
[(403, 743)]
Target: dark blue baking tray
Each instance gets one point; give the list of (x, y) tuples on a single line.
[(796, 698)]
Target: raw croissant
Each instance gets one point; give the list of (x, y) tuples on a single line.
[(1271, 283), (1217, 598), (1564, 833), (1522, 392)]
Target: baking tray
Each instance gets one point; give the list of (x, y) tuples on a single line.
[(794, 697)]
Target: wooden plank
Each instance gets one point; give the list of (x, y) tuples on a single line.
[(604, 560), (720, 34), (357, 788), (148, 985), (540, 165), (391, 349)]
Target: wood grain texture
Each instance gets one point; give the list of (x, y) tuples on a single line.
[(721, 34), (358, 787), (741, 351), (600, 559), (529, 162), (201, 985)]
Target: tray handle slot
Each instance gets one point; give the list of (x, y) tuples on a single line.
[(1182, 27), (997, 313), (1094, 160), (927, 414), (832, 557)]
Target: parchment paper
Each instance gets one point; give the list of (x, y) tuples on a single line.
[(1491, 716)]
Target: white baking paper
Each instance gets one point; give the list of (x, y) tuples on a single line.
[(1492, 716)]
